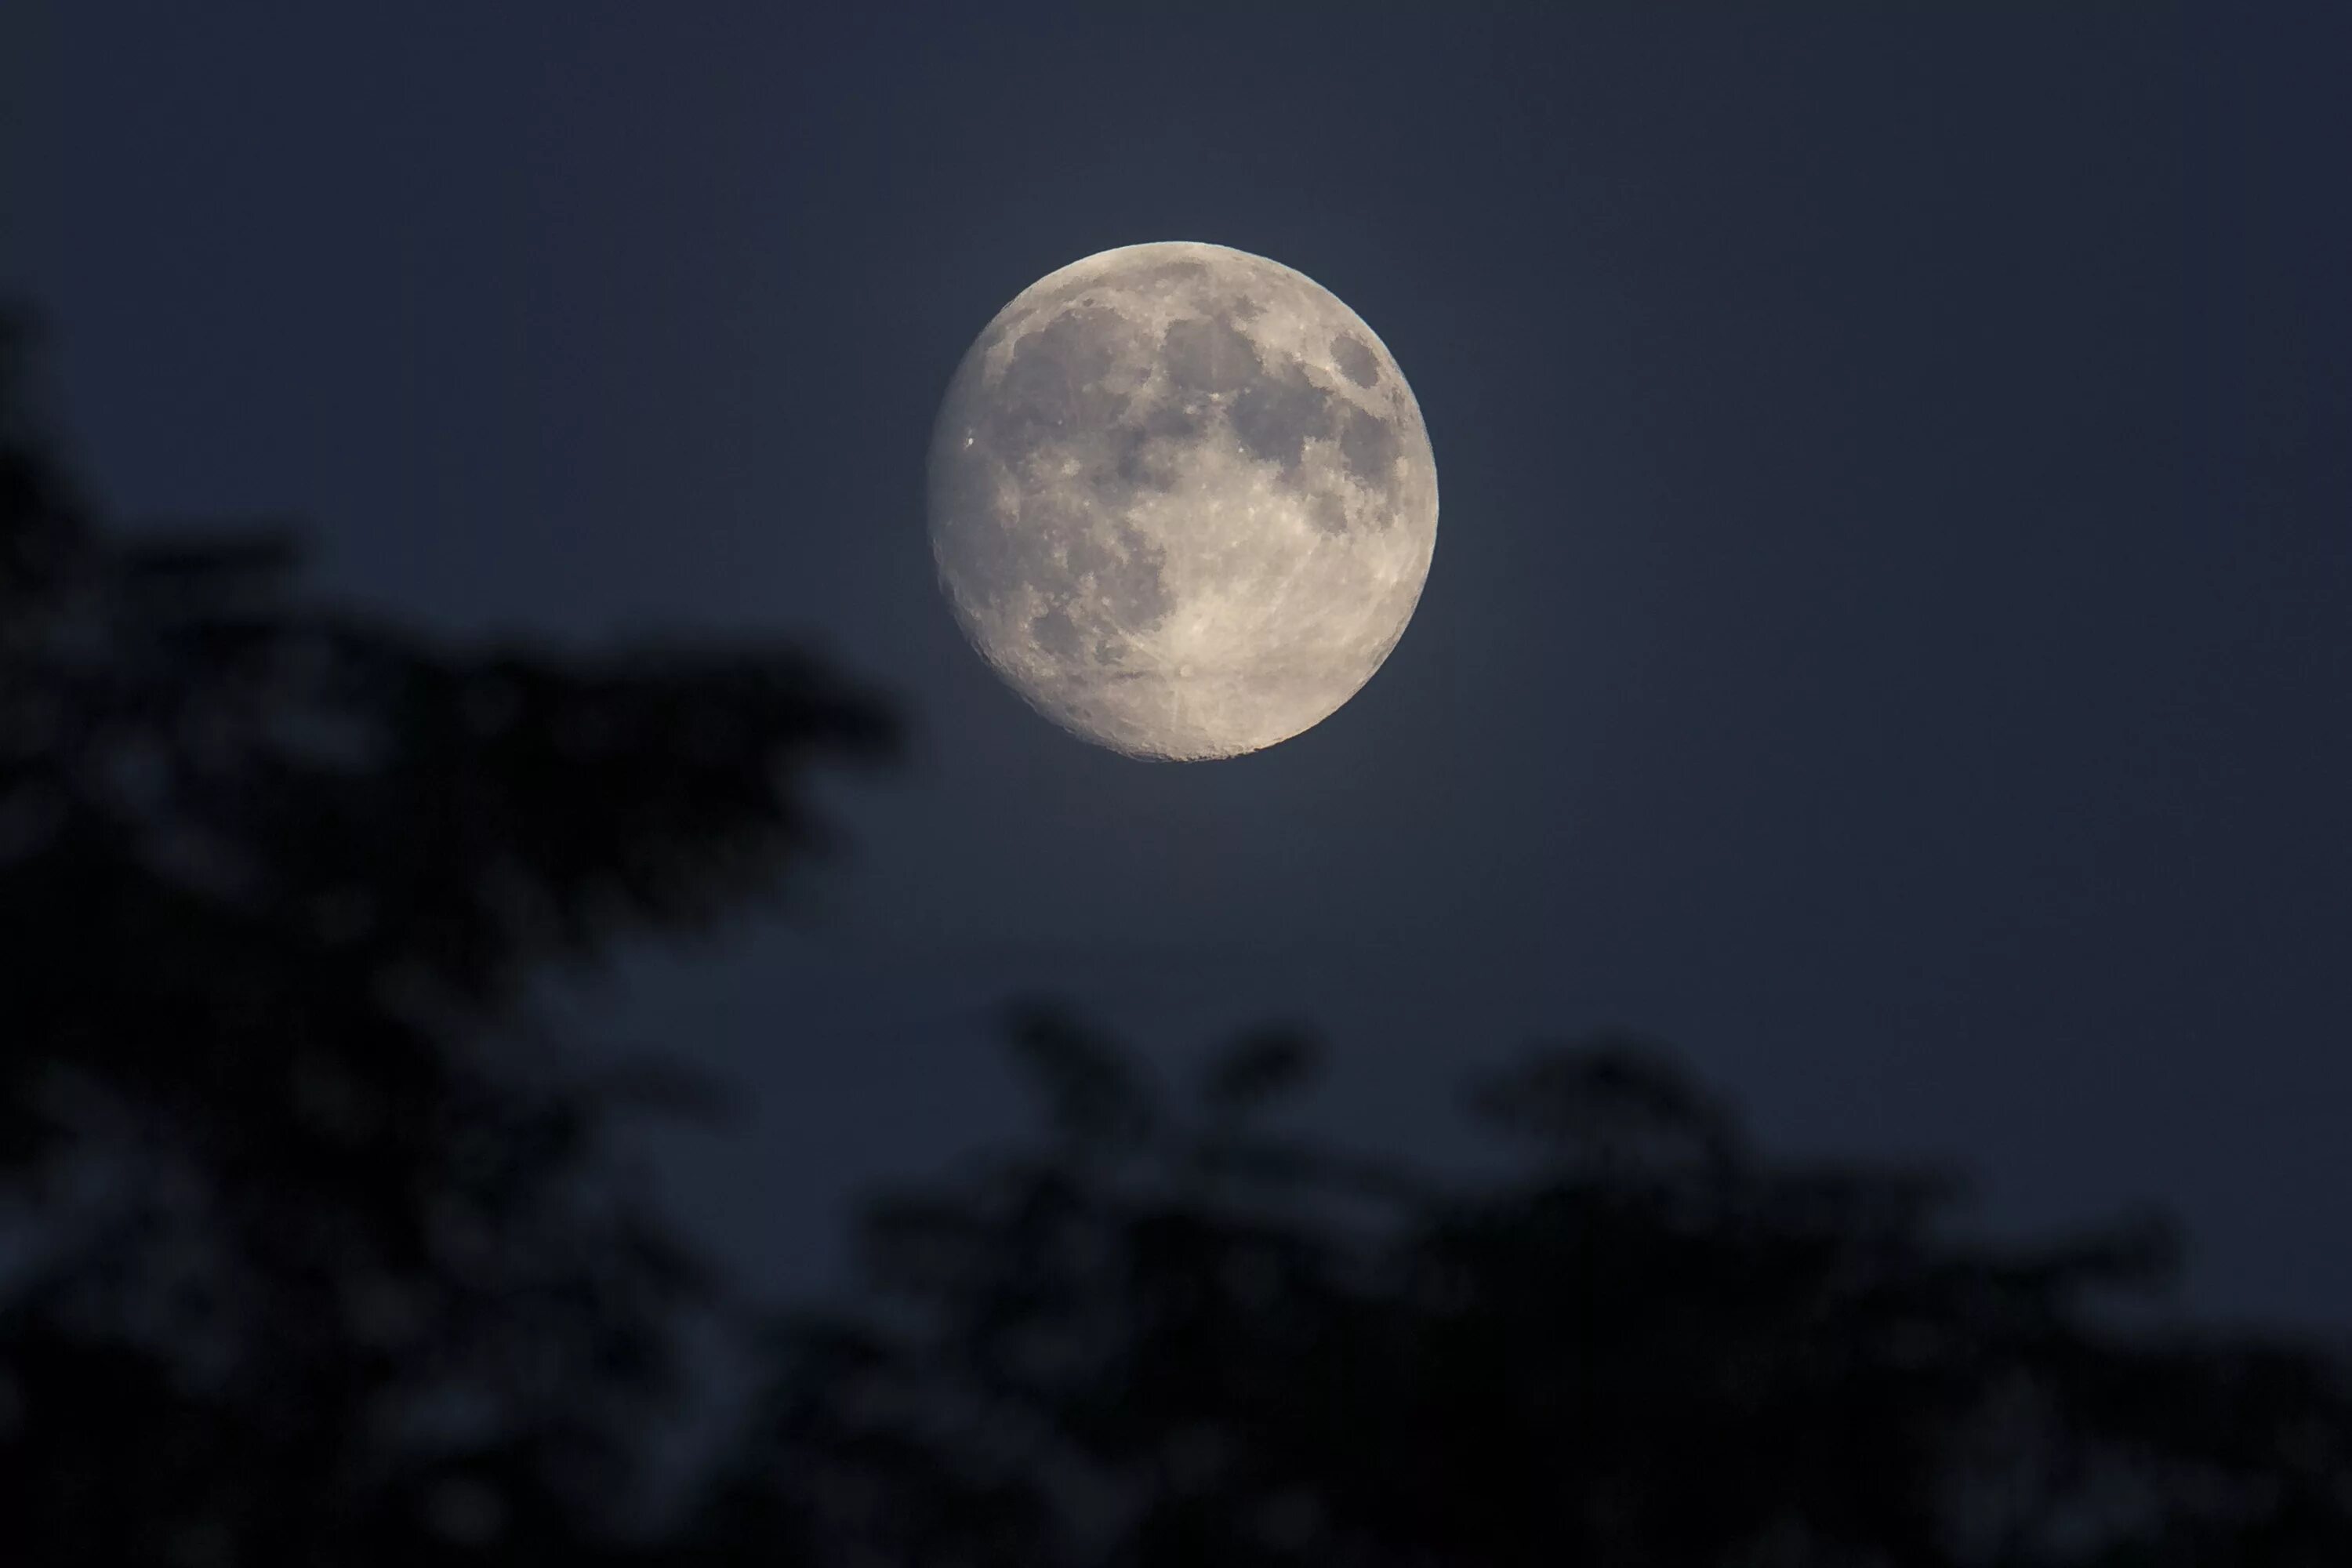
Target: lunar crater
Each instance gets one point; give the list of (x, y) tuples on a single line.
[(1356, 362)]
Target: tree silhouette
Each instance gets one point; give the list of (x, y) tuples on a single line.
[(1155, 1339), (311, 1253), (329, 1270)]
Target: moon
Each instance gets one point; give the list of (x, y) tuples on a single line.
[(1181, 500)]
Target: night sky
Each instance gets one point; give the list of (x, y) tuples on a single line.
[(1891, 629)]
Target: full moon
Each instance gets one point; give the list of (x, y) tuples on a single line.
[(1181, 500)]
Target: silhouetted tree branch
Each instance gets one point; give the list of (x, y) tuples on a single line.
[(331, 1269), (1650, 1346)]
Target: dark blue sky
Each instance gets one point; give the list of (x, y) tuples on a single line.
[(1891, 630)]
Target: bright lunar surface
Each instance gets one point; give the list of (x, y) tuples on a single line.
[(1181, 500)]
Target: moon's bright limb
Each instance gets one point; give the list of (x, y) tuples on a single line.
[(1181, 500)]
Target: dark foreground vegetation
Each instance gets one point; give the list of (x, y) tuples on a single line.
[(312, 1251)]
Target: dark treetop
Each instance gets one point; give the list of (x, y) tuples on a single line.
[(315, 1253)]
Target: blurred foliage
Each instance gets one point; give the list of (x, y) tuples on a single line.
[(313, 1249), (330, 1267), (1650, 1345), (1157, 1339)]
